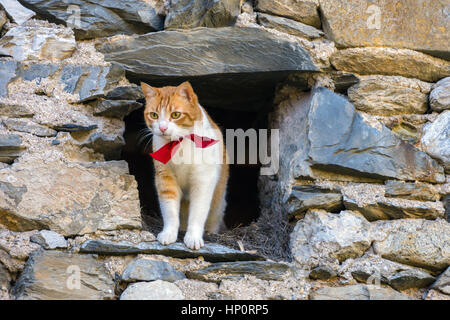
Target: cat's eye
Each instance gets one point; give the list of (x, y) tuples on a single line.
[(175, 115), (154, 115)]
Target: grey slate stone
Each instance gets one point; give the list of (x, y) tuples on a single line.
[(131, 92), (155, 290), (210, 252), (109, 146), (357, 292), (116, 108), (150, 270), (49, 239), (303, 198), (440, 96), (412, 278), (19, 13), (339, 140), (264, 270), (443, 282), (188, 14), (10, 147), (8, 72), (99, 18), (71, 127), (228, 67), (28, 126), (15, 111), (436, 139), (289, 26), (50, 275), (37, 71), (322, 273), (89, 82)]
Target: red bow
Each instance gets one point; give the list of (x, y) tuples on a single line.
[(165, 153)]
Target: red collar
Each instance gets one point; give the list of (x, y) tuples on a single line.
[(166, 152)]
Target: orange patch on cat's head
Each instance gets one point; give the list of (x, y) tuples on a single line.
[(172, 99)]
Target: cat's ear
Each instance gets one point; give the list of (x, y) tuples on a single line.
[(185, 90), (149, 91)]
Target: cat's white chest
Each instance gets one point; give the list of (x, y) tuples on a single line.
[(191, 164)]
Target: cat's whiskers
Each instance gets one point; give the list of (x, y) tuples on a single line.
[(143, 135)]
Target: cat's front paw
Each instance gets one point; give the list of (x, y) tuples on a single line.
[(193, 241), (167, 237)]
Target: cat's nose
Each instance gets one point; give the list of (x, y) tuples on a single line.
[(163, 127)]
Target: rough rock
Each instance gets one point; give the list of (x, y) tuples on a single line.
[(49, 239), (90, 197), (56, 275), (289, 26), (133, 236), (199, 290), (24, 125), (436, 295), (150, 270), (436, 139), (252, 288), (390, 95), (415, 242), (55, 88), (5, 283), (72, 127), (116, 108), (16, 11), (303, 198), (357, 292), (90, 82), (188, 14), (131, 92), (154, 54), (410, 279), (443, 282), (323, 238), (155, 290), (210, 252), (372, 269), (15, 248), (3, 19), (305, 11), (38, 41), (408, 127), (358, 147), (10, 147), (371, 202), (100, 18), (15, 110), (219, 62), (322, 273), (263, 270), (7, 73), (391, 62), (411, 190), (406, 24), (446, 201), (108, 145), (440, 96)]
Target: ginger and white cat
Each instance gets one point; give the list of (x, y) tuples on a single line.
[(191, 187)]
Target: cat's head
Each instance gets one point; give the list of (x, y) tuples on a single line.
[(171, 112)]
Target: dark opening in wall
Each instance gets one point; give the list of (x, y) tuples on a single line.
[(243, 205)]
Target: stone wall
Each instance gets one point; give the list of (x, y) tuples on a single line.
[(359, 91)]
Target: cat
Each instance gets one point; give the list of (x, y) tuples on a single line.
[(191, 193)]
